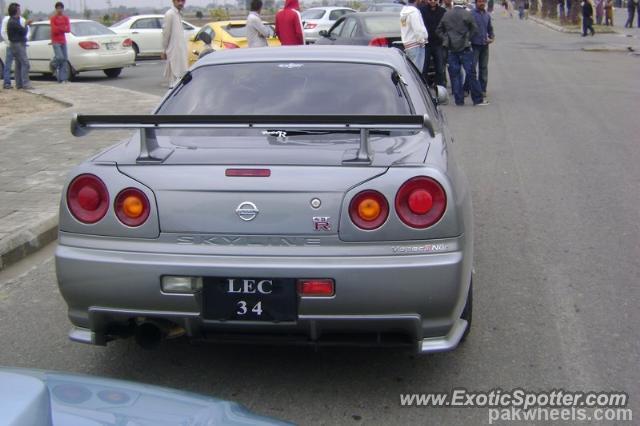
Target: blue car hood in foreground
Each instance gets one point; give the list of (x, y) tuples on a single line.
[(34, 397)]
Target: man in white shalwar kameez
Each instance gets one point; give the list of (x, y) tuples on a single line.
[(174, 44)]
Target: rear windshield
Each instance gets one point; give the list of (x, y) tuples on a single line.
[(382, 24), (276, 88), (237, 30), (312, 14), (89, 28)]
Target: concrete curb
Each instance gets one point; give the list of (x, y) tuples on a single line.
[(28, 241)]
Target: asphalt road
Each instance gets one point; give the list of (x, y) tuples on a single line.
[(553, 165)]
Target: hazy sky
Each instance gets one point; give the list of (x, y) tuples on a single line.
[(44, 5)]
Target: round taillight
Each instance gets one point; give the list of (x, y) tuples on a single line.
[(420, 202), (369, 209), (87, 198), (132, 207)]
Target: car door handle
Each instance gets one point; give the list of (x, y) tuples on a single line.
[(50, 44), (135, 32)]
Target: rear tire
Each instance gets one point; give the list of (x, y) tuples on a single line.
[(113, 72), (136, 49)]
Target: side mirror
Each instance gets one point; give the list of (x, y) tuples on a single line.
[(204, 37), (323, 33), (442, 96)]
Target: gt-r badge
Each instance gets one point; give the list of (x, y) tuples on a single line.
[(321, 223), (247, 211)]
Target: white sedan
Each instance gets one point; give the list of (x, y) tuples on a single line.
[(90, 46), (317, 19), (146, 32)]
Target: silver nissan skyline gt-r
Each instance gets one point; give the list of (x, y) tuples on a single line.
[(287, 195)]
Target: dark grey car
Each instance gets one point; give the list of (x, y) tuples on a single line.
[(297, 194)]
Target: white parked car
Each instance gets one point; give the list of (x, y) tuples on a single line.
[(317, 19), (90, 46), (146, 32)]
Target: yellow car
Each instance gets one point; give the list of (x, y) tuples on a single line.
[(224, 35)]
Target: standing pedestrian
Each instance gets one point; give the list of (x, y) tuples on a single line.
[(587, 18), (599, 11), (608, 13), (174, 44), (480, 42), (456, 29), (8, 62), (632, 5), (60, 25), (413, 33), (432, 14), (17, 36), (257, 32), (289, 24)]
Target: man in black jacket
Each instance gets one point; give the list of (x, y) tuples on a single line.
[(432, 13), (18, 45)]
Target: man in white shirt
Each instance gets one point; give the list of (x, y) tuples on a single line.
[(174, 44), (257, 32), (414, 33)]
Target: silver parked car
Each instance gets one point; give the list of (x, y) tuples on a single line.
[(275, 195), (317, 19)]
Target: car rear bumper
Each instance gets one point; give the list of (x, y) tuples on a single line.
[(100, 61), (414, 299)]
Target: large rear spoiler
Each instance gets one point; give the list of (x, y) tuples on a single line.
[(151, 152)]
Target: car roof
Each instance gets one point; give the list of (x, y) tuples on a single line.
[(73, 21), (232, 22), (329, 8), (322, 53)]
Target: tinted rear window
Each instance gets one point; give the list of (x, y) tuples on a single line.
[(275, 88), (382, 24), (312, 14), (237, 30), (81, 29)]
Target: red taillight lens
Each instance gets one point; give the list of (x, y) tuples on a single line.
[(380, 42), (310, 26), (89, 45), (420, 202), (369, 210), (316, 287), (228, 45), (88, 198), (127, 43), (248, 172), (132, 207)]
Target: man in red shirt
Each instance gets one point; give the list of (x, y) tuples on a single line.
[(59, 26), (289, 24)]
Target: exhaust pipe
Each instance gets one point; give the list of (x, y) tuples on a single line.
[(150, 333)]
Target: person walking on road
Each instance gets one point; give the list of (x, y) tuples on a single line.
[(257, 32), (60, 25), (587, 18), (413, 33), (289, 24), (480, 42), (432, 14), (456, 29), (174, 44), (17, 36), (8, 60), (632, 5)]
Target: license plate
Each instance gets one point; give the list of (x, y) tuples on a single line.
[(110, 46), (250, 299)]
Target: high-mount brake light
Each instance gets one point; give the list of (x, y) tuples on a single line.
[(87, 198), (420, 202), (89, 45), (379, 42), (369, 209), (132, 207), (248, 172)]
